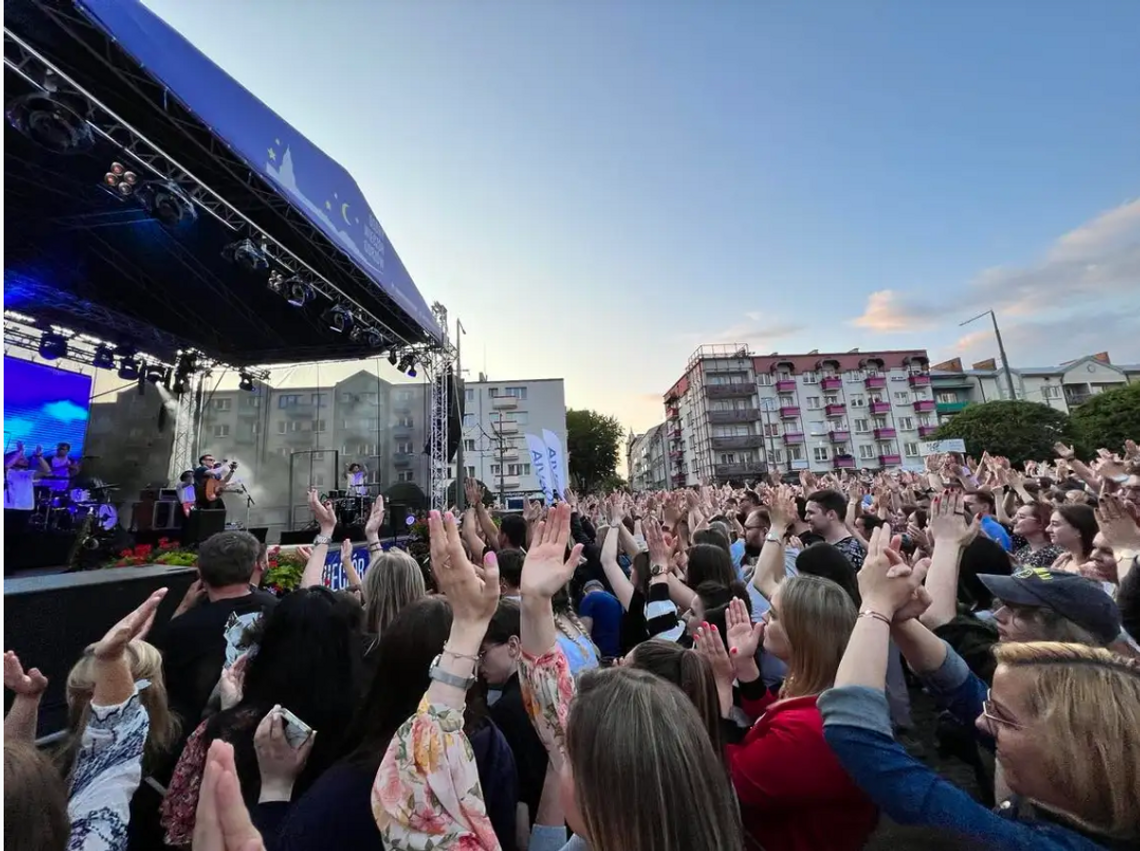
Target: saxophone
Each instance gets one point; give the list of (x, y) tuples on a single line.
[(84, 540)]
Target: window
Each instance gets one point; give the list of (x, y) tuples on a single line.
[(221, 404), (731, 430), (252, 400), (281, 450), (861, 426), (496, 469), (518, 469), (855, 375), (821, 453), (772, 430), (516, 393), (879, 422), (857, 400), (831, 399), (406, 476), (795, 453), (404, 396), (469, 446), (776, 456), (764, 379), (363, 450), (404, 422), (1049, 391), (347, 398), (906, 423), (404, 448), (948, 398), (924, 421), (867, 452), (902, 397), (813, 403), (470, 472), (289, 400), (818, 427), (469, 421), (810, 378), (787, 402), (521, 417), (319, 480), (320, 400), (318, 456), (221, 431), (288, 427), (910, 450), (728, 458), (841, 449), (318, 425), (469, 395), (255, 429)]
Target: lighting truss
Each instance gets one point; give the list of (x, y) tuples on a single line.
[(26, 61), (437, 364)]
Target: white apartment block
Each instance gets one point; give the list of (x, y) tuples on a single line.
[(733, 415), (647, 460), (497, 417)]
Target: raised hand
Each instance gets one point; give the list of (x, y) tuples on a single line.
[(375, 519), (886, 581), (744, 637), (135, 625), (948, 522), (707, 643), (1118, 526), (547, 568), (920, 599), (323, 512), (345, 552), (280, 763), (29, 684), (222, 822), (232, 681), (473, 592), (660, 550)]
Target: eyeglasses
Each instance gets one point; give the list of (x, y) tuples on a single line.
[(989, 714)]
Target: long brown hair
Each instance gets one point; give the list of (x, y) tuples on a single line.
[(646, 776), (818, 616), (393, 580), (35, 801), (690, 672)]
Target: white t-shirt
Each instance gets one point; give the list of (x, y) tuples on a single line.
[(21, 491), (186, 493), (59, 467), (356, 484)]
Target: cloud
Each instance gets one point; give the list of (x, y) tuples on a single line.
[(887, 311), (758, 330), (66, 412)]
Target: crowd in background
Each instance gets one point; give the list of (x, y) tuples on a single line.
[(709, 668)]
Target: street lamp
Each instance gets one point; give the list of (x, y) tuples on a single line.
[(1001, 348)]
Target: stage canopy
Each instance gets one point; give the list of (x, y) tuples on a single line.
[(80, 254)]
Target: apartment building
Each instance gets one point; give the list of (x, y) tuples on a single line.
[(646, 460), (1065, 387), (734, 415), (497, 417)]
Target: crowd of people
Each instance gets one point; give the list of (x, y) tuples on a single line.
[(705, 669)]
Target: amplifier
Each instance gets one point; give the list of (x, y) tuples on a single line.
[(168, 515)]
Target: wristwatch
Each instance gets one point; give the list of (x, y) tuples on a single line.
[(775, 539), (322, 539), (656, 569), (447, 678)]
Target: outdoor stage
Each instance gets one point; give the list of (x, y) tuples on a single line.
[(166, 226)]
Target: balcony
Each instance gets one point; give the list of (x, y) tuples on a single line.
[(789, 412), (800, 464), (748, 441), (729, 391), (745, 415), (951, 407), (673, 413), (924, 406), (836, 410), (400, 428), (509, 456), (885, 433), (505, 427), (890, 460), (831, 382), (786, 385), (793, 438), (402, 459), (927, 431), (879, 407), (402, 408), (875, 382), (676, 454), (504, 403), (302, 409), (839, 436), (739, 471), (919, 379), (511, 484), (843, 462)]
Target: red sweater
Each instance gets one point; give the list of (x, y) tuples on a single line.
[(794, 795)]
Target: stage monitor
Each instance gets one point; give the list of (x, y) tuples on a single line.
[(44, 405)]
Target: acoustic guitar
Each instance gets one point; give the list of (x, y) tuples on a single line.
[(214, 487)]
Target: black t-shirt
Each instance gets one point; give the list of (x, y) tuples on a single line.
[(510, 716), (194, 649)]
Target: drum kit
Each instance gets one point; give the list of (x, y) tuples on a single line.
[(350, 508), (65, 508)]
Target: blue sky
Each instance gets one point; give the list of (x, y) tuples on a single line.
[(596, 188)]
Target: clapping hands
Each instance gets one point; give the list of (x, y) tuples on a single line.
[(546, 568), (30, 684)]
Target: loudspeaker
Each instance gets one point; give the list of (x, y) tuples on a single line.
[(203, 523), (397, 519), (168, 516)]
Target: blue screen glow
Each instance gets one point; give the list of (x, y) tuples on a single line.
[(45, 406)]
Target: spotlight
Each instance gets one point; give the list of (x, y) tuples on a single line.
[(246, 255), (338, 318), (129, 368), (167, 202), (368, 336), (298, 292), (246, 382), (393, 357), (49, 120), (276, 281), (119, 180), (408, 364), (104, 358), (53, 346), (156, 373)]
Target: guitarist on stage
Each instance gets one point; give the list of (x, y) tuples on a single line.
[(210, 480)]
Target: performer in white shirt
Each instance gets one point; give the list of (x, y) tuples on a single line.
[(356, 476), (62, 469), (20, 475)]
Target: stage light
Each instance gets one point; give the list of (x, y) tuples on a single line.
[(246, 255), (167, 202), (120, 180), (246, 382), (298, 292), (129, 369), (53, 346), (393, 357), (49, 120), (408, 364), (338, 318), (104, 357), (368, 336), (156, 373)]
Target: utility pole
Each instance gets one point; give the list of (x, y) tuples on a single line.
[(1001, 349), (458, 388), (501, 440)]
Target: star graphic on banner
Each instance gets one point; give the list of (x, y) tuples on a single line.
[(272, 154)]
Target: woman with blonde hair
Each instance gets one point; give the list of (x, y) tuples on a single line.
[(793, 792), (393, 581), (1065, 719)]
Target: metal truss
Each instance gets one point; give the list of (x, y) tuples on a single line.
[(34, 67), (187, 417), (438, 365)]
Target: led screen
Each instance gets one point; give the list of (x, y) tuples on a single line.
[(44, 405)]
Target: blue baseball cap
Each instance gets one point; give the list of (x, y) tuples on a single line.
[(1073, 597)]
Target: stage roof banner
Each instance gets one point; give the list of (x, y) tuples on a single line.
[(315, 184)]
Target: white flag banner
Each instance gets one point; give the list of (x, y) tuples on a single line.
[(540, 458), (558, 471), (938, 447)]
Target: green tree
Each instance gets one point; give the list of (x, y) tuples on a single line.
[(592, 441), (1018, 430), (1107, 420)]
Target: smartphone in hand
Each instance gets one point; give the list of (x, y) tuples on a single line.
[(297, 732)]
